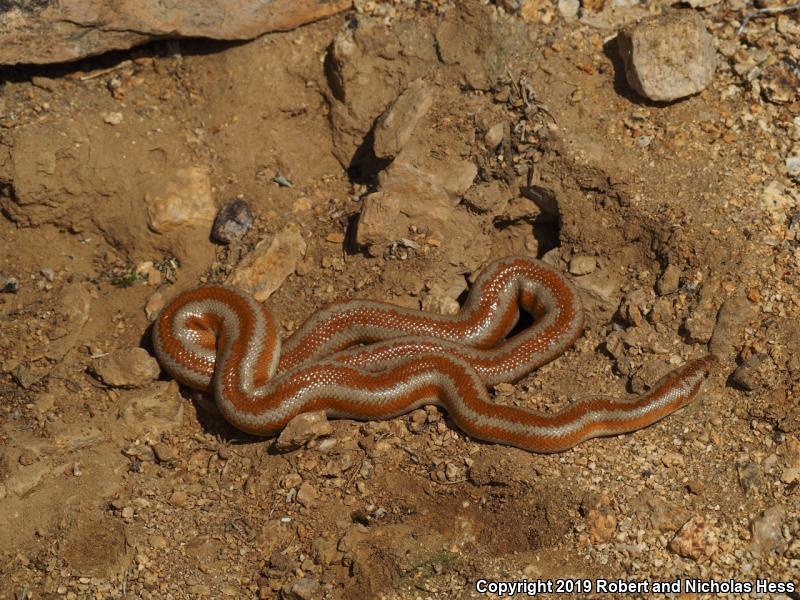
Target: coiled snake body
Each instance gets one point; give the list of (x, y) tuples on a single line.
[(370, 360)]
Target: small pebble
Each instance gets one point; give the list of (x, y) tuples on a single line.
[(582, 265), (669, 280), (306, 494), (165, 453), (232, 222), (494, 136), (10, 286), (112, 118)]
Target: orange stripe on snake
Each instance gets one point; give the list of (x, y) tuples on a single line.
[(370, 360)]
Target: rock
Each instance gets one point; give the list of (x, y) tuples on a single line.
[(582, 265), (396, 125), (128, 368), (186, 200), (232, 221), (302, 429), (757, 372), (416, 169), (669, 280), (49, 32), (600, 519), (372, 51), (662, 312), (465, 38), (442, 295), (701, 321), (601, 291), (697, 540), (325, 551), (780, 83), (148, 271), (387, 217), (74, 307), (569, 8), (10, 285), (112, 118), (154, 305), (669, 56), (267, 266), (304, 589), (793, 167), (490, 197), (734, 314), (766, 529), (153, 410), (790, 473), (306, 494), (164, 453), (778, 201), (494, 135)]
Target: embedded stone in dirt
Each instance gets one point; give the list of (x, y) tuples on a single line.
[(697, 540), (153, 410), (129, 367), (49, 32), (669, 280), (454, 175), (265, 268), (232, 221), (463, 38), (490, 197), (184, 200), (388, 216), (766, 528), (735, 313), (74, 304), (396, 125), (442, 295), (582, 264), (669, 56), (304, 588), (302, 429), (407, 52)]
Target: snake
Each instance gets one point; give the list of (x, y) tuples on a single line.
[(364, 360)]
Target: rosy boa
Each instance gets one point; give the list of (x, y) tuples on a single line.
[(370, 360)]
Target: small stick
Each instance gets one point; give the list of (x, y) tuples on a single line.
[(101, 72), (763, 12)]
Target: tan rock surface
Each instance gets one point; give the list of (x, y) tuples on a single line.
[(74, 29)]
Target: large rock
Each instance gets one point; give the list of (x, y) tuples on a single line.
[(47, 31), (391, 215), (669, 56)]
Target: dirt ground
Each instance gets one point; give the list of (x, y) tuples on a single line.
[(120, 485)]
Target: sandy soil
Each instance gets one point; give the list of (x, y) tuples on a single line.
[(132, 490)]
